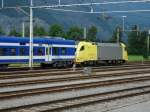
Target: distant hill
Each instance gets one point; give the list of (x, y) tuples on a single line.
[(105, 22)]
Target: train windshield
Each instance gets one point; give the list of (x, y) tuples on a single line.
[(82, 48)]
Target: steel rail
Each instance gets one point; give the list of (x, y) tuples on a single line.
[(47, 90), (74, 78), (67, 72), (74, 102)]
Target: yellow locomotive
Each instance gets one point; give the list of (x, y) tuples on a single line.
[(94, 53)]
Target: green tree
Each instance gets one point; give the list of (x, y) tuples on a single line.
[(75, 33), (143, 43), (137, 41), (91, 33), (1, 31), (27, 31), (39, 31), (56, 30), (13, 32), (116, 34)]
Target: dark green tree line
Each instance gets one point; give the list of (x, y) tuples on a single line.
[(117, 35), (56, 30), (137, 41), (14, 32), (75, 33), (91, 33)]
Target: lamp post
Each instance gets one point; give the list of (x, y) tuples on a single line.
[(148, 43), (23, 29), (31, 36), (85, 33), (118, 35), (123, 22)]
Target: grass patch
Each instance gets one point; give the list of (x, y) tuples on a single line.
[(23, 65), (137, 58)]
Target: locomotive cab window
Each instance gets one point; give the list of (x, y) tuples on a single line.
[(82, 48), (125, 48)]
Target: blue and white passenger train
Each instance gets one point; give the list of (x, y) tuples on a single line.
[(57, 52)]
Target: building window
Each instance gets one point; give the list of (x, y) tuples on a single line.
[(63, 51), (12, 51), (22, 51), (56, 51)]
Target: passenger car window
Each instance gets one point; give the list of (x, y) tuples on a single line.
[(22, 51), (56, 51), (12, 51), (63, 51), (82, 48), (40, 52), (3, 51)]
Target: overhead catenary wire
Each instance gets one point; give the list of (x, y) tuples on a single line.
[(99, 12), (82, 4)]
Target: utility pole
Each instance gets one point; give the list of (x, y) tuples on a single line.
[(123, 22), (2, 3), (31, 36), (85, 33), (23, 29), (59, 2), (118, 35), (148, 43)]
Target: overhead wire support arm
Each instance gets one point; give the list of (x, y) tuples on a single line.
[(23, 11)]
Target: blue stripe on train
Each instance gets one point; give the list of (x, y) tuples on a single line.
[(27, 60), (21, 61)]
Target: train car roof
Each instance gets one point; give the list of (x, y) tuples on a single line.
[(36, 40)]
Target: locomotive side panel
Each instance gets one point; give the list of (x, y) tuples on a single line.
[(107, 51)]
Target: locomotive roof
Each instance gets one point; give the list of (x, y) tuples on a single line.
[(109, 44), (39, 40)]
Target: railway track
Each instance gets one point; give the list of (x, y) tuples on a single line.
[(74, 77), (74, 102), (35, 70), (65, 72), (69, 87), (113, 76)]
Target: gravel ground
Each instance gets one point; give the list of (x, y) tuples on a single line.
[(33, 86), (61, 95), (134, 104)]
